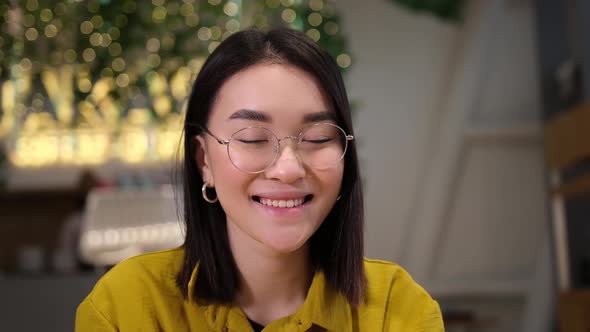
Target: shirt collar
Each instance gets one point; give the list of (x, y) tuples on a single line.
[(323, 306), (326, 307), (191, 283)]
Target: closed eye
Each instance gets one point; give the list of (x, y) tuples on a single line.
[(317, 141), (257, 141)]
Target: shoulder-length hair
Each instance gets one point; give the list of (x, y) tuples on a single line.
[(336, 248)]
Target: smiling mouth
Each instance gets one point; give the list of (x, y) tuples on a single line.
[(280, 203)]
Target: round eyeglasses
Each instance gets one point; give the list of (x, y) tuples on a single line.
[(254, 149)]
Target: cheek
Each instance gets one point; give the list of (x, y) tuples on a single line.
[(331, 179), (229, 181), (219, 164), (330, 183)]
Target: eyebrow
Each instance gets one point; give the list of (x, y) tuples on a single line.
[(319, 116), (253, 115)]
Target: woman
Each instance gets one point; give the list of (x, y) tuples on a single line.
[(273, 209)]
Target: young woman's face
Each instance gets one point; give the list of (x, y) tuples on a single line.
[(285, 100)]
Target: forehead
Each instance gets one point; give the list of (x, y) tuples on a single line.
[(279, 90)]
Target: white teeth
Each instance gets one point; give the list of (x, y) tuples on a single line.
[(282, 203)]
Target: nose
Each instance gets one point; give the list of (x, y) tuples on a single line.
[(288, 166)]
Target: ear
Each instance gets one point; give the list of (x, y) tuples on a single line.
[(202, 158)]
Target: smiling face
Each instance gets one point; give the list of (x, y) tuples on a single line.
[(280, 208)]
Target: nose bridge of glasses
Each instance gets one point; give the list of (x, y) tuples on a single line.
[(293, 146), (294, 140)]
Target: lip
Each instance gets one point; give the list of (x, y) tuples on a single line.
[(282, 195), (277, 212), (284, 212)]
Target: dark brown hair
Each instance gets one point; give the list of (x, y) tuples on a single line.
[(336, 248)]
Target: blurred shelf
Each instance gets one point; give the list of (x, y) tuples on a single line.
[(67, 176)]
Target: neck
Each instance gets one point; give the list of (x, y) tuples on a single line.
[(275, 285)]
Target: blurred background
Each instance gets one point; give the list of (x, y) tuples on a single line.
[(471, 121)]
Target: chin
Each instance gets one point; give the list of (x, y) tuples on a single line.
[(284, 246)]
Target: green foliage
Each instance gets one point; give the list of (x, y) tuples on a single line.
[(451, 10), (130, 40)]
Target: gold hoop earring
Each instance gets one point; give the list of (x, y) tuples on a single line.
[(204, 192)]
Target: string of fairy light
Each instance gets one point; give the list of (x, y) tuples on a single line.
[(88, 81)]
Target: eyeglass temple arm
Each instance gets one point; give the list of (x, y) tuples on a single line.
[(219, 140)]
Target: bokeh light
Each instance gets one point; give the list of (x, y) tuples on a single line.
[(77, 66)]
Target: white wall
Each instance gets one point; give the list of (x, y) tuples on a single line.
[(400, 64), (403, 70), (449, 131)]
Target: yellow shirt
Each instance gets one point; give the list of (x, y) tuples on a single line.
[(140, 294)]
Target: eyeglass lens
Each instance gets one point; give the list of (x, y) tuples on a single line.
[(319, 146)]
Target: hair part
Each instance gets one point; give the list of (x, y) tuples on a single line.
[(336, 248)]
